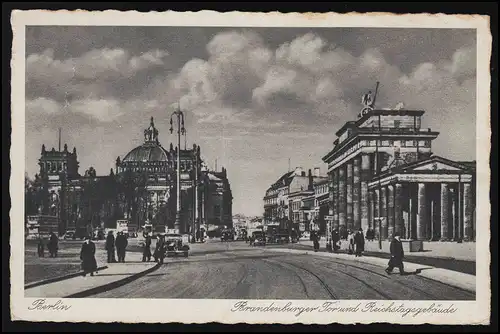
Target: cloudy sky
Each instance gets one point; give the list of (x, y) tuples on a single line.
[(253, 98)]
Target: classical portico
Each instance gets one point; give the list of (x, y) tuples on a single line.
[(384, 177), (431, 199)]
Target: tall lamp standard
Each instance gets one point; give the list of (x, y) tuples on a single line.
[(180, 130)]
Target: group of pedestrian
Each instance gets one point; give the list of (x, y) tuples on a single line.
[(356, 242), (52, 246), (119, 243), (356, 246)]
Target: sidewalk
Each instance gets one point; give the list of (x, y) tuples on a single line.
[(68, 261), (79, 286), (446, 255), (449, 277), (464, 251)]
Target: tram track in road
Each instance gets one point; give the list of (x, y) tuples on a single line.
[(380, 275), (304, 286), (395, 281), (384, 295), (320, 280)]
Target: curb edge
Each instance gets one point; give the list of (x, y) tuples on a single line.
[(58, 279), (113, 285)]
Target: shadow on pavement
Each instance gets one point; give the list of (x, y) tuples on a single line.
[(113, 285)]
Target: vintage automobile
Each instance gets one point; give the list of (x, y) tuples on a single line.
[(281, 238), (258, 239), (227, 235), (242, 235), (175, 246), (69, 235)]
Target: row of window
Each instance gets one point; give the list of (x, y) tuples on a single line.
[(400, 143), (53, 166), (185, 166), (321, 189)]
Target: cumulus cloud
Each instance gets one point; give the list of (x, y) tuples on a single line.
[(43, 106), (102, 110), (97, 74), (463, 62), (243, 80), (94, 64)]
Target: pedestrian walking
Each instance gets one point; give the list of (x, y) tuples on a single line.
[(397, 255), (121, 243), (110, 247), (41, 247), (159, 253), (87, 255), (315, 239), (359, 241), (146, 252), (53, 245)]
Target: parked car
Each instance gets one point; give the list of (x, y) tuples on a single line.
[(282, 238), (175, 245), (227, 236), (258, 238), (69, 235)]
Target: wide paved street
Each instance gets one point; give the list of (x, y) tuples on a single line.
[(236, 271)]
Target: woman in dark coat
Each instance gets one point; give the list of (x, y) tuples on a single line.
[(87, 255)]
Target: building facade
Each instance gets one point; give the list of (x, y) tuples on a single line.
[(383, 176), (291, 202), (141, 189)]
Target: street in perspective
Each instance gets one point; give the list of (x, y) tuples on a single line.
[(281, 163)]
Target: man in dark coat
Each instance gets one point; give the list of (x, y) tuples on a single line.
[(146, 253), (110, 247), (159, 254), (397, 255), (359, 242), (87, 255), (53, 245), (315, 240), (121, 245)]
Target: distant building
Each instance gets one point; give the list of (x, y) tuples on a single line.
[(290, 201), (383, 176), (321, 204), (217, 199)]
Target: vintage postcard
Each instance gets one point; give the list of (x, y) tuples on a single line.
[(250, 168)]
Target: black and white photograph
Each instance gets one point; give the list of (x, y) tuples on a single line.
[(293, 172)]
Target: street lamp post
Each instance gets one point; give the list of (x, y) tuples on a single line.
[(180, 130)]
